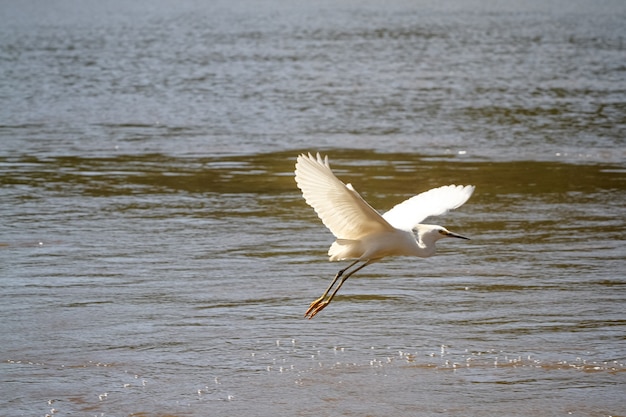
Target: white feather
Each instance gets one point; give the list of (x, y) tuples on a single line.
[(339, 206), (435, 202)]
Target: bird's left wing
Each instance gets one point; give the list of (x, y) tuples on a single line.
[(338, 205), (435, 202)]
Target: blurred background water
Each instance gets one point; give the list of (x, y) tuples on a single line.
[(156, 257)]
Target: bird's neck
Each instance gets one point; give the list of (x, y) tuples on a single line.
[(425, 245)]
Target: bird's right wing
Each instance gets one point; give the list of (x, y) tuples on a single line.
[(435, 202), (338, 205)]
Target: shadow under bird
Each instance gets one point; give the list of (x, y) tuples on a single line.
[(365, 236)]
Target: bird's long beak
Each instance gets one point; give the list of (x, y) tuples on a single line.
[(450, 234)]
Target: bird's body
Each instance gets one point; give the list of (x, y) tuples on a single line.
[(376, 246), (362, 233)]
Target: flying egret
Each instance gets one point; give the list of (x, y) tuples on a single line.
[(363, 235)]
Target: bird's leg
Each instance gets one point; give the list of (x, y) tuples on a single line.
[(319, 304), (319, 300)]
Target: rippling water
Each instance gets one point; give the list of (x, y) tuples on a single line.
[(156, 257)]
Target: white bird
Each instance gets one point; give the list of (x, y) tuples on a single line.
[(363, 235)]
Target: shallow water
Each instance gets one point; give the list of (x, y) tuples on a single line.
[(156, 257)]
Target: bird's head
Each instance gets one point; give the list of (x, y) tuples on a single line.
[(429, 233)]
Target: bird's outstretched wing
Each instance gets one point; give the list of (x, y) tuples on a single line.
[(435, 202), (338, 205)]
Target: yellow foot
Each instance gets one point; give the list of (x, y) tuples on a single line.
[(316, 307), (313, 305)]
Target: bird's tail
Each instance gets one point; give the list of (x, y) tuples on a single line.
[(342, 249)]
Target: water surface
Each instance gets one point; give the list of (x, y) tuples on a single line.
[(156, 257)]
